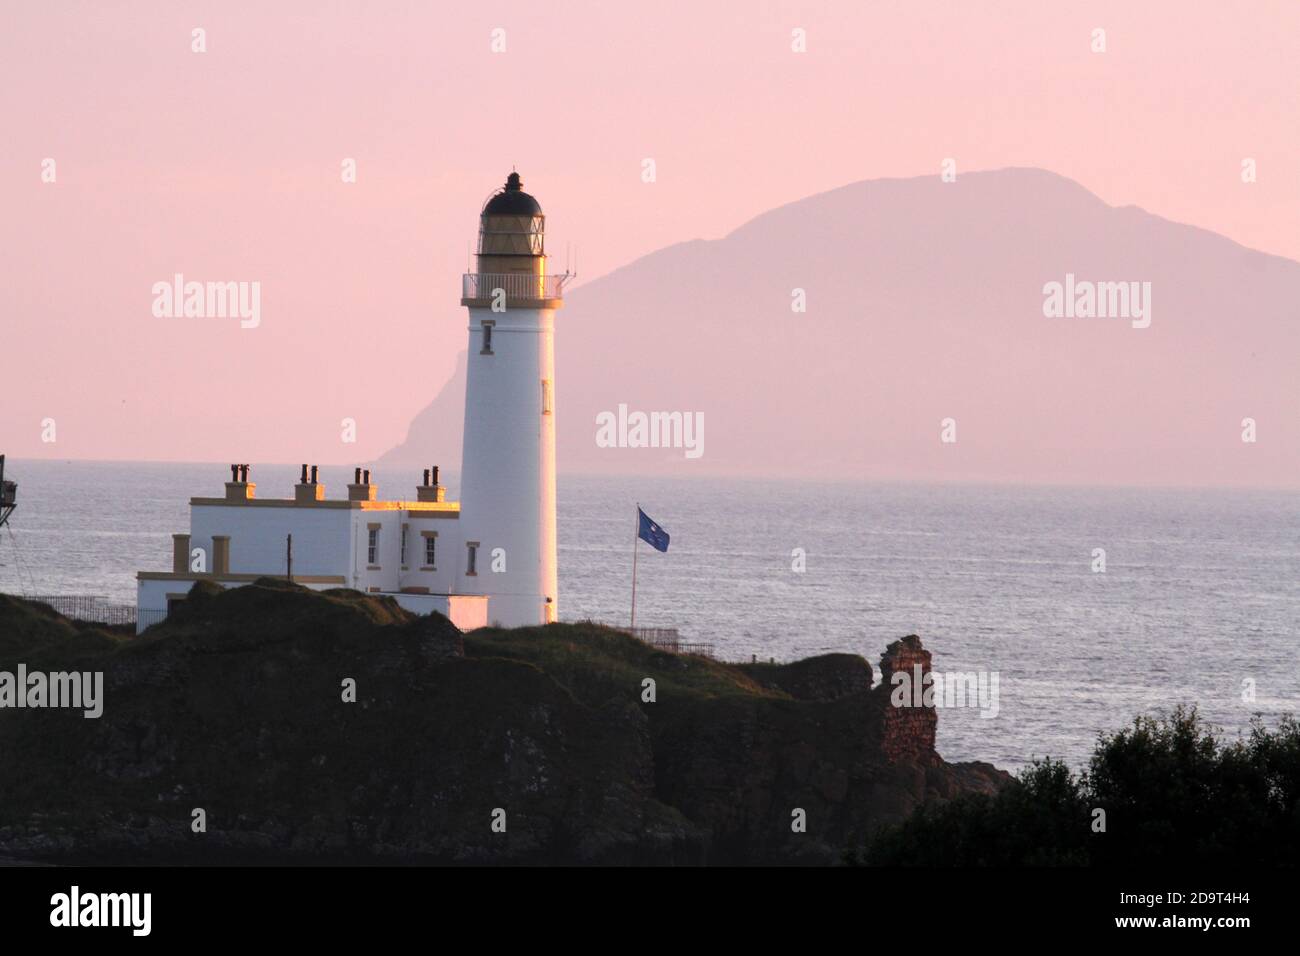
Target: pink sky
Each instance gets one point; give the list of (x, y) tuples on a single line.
[(226, 166)]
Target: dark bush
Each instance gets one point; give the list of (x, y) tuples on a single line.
[(1172, 791)]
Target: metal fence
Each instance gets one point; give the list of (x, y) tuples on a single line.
[(670, 640), (147, 618), (653, 634), (88, 607), (699, 648), (515, 285)]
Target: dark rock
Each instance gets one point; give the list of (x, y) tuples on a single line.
[(235, 705), (826, 677)]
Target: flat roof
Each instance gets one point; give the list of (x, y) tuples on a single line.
[(431, 509)]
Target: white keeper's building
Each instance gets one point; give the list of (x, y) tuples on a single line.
[(490, 558)]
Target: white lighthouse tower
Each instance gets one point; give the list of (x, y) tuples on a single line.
[(508, 460)]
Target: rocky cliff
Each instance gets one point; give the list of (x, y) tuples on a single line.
[(572, 743)]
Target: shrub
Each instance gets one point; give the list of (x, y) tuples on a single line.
[(1172, 790)]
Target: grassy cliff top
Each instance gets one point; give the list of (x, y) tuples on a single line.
[(593, 660)]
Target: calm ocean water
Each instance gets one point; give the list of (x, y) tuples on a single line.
[(1201, 590)]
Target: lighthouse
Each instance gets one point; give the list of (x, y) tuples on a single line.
[(489, 558), (508, 457)]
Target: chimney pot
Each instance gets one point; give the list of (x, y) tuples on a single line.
[(313, 474), (361, 489), (304, 475), (430, 490)]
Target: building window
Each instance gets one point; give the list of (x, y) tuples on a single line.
[(546, 396), (372, 549), (405, 529), (487, 339), (471, 561), (431, 551)]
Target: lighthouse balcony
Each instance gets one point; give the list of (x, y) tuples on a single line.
[(521, 289)]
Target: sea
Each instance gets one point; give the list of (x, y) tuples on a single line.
[(1198, 602)]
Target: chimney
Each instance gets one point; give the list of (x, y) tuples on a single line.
[(238, 488), (431, 490), (221, 554), (308, 491), (180, 554), (361, 489)]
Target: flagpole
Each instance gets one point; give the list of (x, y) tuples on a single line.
[(636, 539)]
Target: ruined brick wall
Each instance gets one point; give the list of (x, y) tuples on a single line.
[(907, 732)]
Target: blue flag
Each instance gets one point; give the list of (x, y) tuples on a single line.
[(651, 533)]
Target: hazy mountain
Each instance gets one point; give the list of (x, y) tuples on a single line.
[(434, 437), (925, 301)]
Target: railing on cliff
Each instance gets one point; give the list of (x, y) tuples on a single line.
[(670, 640), (92, 608)]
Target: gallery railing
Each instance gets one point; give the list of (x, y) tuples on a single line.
[(515, 285)]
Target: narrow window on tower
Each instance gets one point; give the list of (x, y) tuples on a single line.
[(430, 551), (546, 396), (372, 548), (405, 530), (471, 558), (487, 339)]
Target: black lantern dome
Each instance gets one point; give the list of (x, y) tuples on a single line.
[(511, 224), (511, 200)]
